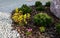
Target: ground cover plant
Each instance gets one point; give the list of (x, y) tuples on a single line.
[(36, 21), (25, 9), (42, 19)]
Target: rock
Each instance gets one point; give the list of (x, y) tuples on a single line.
[(55, 7)]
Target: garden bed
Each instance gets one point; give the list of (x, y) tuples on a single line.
[(33, 29)]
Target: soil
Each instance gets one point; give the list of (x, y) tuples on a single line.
[(50, 30)]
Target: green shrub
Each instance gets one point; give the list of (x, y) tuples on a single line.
[(58, 27), (42, 29), (40, 8), (38, 3), (42, 19), (25, 9), (47, 4)]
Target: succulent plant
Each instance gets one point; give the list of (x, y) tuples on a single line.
[(42, 19), (20, 18), (42, 29), (25, 9), (40, 8)]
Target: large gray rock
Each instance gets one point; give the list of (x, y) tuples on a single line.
[(55, 7)]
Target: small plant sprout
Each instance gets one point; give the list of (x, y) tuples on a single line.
[(29, 31), (42, 29)]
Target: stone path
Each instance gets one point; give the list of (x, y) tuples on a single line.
[(5, 26)]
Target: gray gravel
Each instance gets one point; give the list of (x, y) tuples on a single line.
[(5, 27)]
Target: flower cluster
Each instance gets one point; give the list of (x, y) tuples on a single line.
[(20, 18)]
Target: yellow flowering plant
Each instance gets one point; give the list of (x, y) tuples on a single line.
[(25, 16), (20, 18), (15, 18), (16, 10), (28, 15)]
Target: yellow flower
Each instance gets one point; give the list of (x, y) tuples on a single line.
[(16, 10), (15, 18), (20, 11), (16, 14), (25, 21), (28, 15), (25, 16), (20, 18)]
